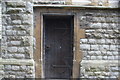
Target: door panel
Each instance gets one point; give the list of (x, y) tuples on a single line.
[(58, 46)]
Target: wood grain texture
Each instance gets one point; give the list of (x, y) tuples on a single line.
[(37, 33)]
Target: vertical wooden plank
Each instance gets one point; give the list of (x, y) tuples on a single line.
[(37, 54), (78, 33), (42, 53), (76, 50)]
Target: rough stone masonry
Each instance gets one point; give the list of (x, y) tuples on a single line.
[(16, 57), (100, 46)]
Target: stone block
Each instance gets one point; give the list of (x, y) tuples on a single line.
[(14, 10), (105, 74), (16, 22), (88, 57), (27, 22), (20, 77), (21, 50), (6, 19), (3, 33), (10, 32), (82, 18), (101, 67), (93, 57), (27, 17), (1, 72), (109, 53), (113, 47), (92, 41), (105, 25), (89, 35), (113, 77), (96, 25), (4, 9), (85, 46), (90, 74), (29, 7), (19, 56), (12, 49), (109, 19), (115, 73), (116, 57), (20, 4), (108, 41), (23, 68), (20, 27), (7, 67), (91, 53), (89, 30), (16, 16), (20, 73), (97, 53), (105, 57), (1, 67), (84, 58), (94, 47), (112, 25), (99, 57), (29, 75), (15, 43), (114, 68), (7, 56), (110, 57), (115, 53), (10, 4), (104, 47), (3, 43), (83, 41), (95, 19), (97, 35), (29, 71), (107, 36), (116, 31), (99, 19), (21, 33), (26, 41), (8, 27)]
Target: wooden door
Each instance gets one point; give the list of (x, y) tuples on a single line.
[(58, 46)]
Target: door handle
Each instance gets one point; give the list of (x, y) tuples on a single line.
[(47, 47)]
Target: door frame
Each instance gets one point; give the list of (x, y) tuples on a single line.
[(39, 32)]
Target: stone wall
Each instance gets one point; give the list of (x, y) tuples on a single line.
[(16, 58), (101, 45), (0, 21)]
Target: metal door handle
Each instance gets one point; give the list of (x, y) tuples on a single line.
[(47, 48)]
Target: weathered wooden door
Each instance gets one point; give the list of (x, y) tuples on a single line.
[(58, 46)]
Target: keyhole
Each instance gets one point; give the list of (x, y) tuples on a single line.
[(60, 47)]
